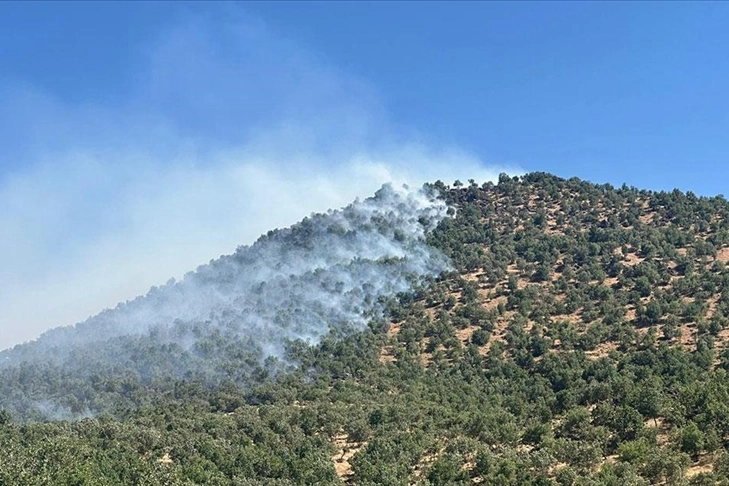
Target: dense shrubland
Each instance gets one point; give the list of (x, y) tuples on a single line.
[(580, 338)]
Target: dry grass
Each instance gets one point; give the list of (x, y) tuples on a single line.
[(723, 255), (165, 459), (345, 451), (703, 465), (631, 259), (647, 218), (601, 351)]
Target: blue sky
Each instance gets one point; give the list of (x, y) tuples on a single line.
[(616, 92), (142, 139)]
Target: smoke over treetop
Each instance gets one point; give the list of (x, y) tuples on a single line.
[(101, 199), (327, 273)]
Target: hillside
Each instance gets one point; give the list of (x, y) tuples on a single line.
[(236, 319), (544, 331)]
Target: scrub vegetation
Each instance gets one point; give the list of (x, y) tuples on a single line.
[(548, 332)]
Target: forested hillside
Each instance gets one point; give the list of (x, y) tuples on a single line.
[(547, 332)]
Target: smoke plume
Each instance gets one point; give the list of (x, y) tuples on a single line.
[(327, 273), (226, 129)]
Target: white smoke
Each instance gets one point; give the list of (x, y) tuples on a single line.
[(328, 272), (328, 269), (226, 131)]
